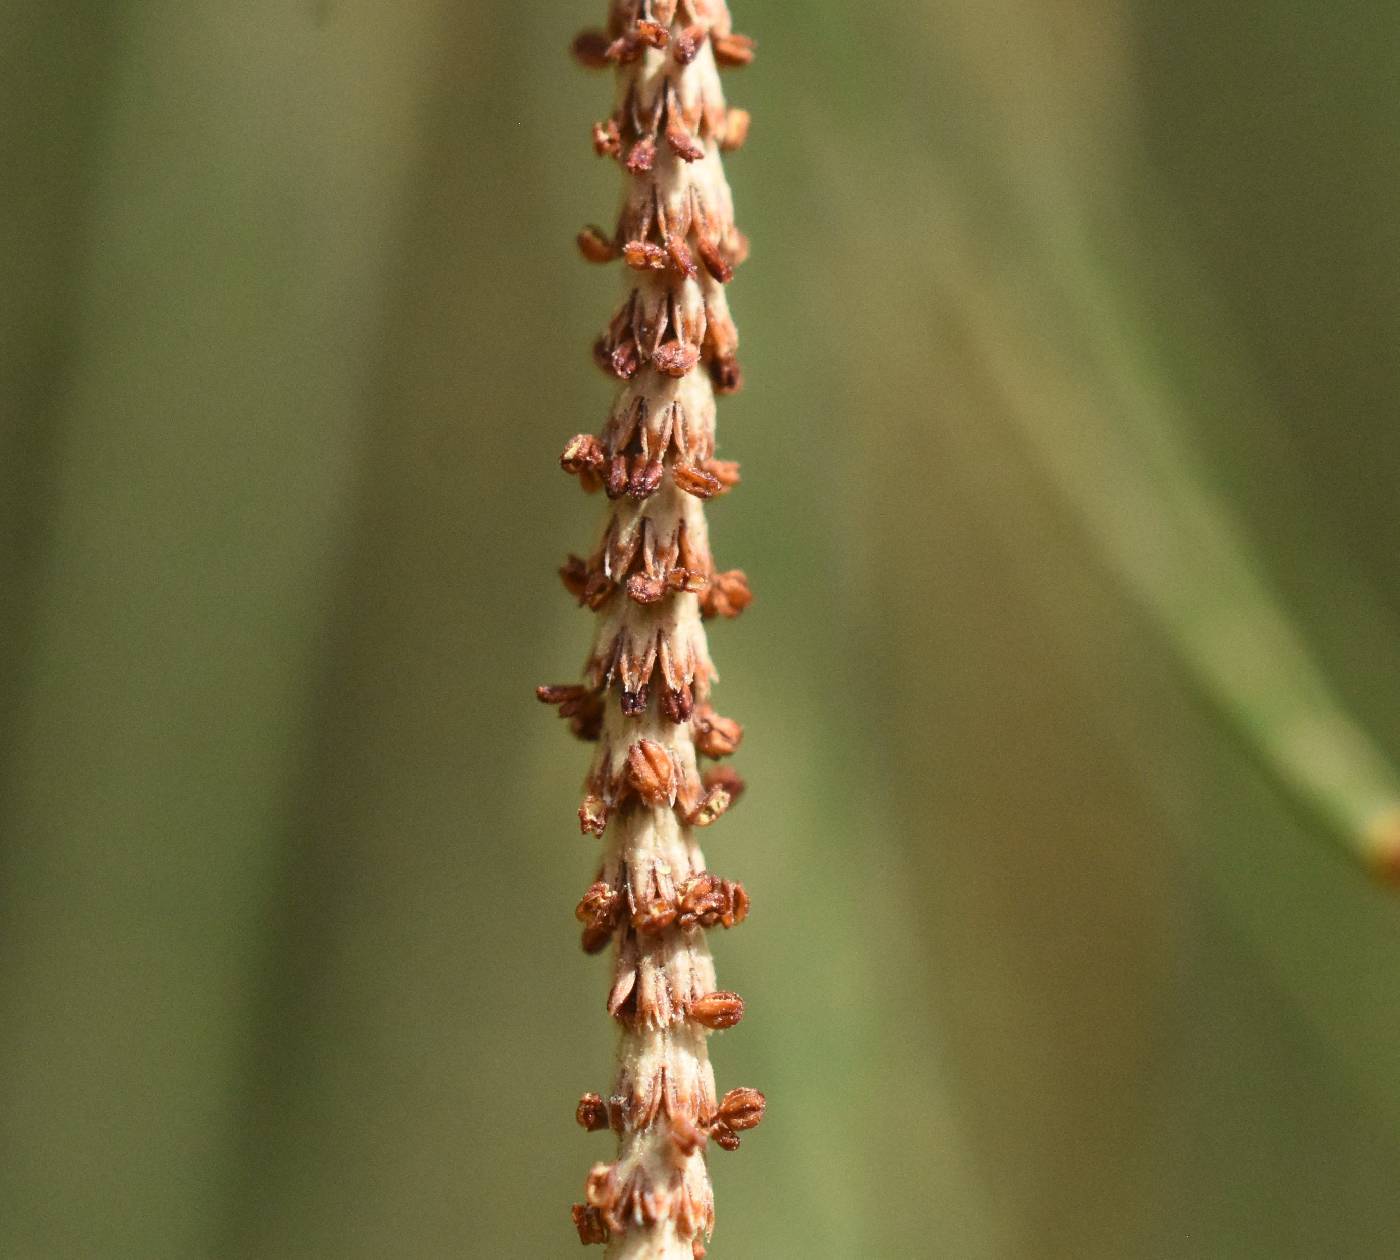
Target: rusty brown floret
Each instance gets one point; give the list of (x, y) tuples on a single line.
[(671, 348)]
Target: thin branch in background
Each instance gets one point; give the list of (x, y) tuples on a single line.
[(1108, 440)]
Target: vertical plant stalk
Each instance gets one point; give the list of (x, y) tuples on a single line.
[(651, 581)]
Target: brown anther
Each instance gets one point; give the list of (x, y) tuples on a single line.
[(681, 142), (593, 815), (651, 772), (706, 900), (582, 708), (599, 910), (651, 917), (691, 581), (678, 704), (686, 1137), (680, 256), (574, 573), (589, 1223), (643, 256), (687, 44), (607, 139), (625, 360), (724, 1137), (634, 703), (728, 594), (592, 1113), (697, 1248), (645, 589), (595, 939), (625, 50), (595, 245), (615, 480), (696, 481), (642, 156), (715, 262), (726, 375), (590, 49), (717, 1010), (652, 34), (583, 453), (598, 590), (741, 1109), (736, 129), (675, 358), (646, 480), (733, 50), (716, 736), (729, 779), (713, 805), (725, 471)]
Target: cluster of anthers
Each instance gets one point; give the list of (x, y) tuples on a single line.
[(652, 583)]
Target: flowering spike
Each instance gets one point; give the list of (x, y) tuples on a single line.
[(651, 580)]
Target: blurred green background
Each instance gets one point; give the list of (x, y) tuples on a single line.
[(1044, 961)]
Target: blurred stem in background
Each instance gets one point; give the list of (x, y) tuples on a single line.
[(1079, 371)]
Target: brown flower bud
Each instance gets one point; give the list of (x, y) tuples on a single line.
[(592, 1113), (717, 1010), (742, 1109), (651, 772)]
